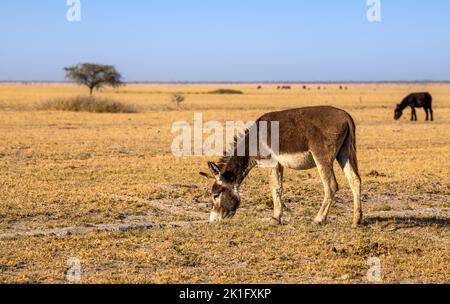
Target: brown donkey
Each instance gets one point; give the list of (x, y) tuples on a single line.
[(308, 138)]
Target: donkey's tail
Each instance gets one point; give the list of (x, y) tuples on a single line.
[(350, 144), (430, 98)]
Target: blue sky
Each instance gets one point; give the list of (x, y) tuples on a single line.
[(228, 40)]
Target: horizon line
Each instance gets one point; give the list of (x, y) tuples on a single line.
[(244, 82)]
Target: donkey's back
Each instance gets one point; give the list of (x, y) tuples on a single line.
[(317, 130), (420, 100)]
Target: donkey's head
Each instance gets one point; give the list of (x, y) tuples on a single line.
[(398, 112), (225, 193)]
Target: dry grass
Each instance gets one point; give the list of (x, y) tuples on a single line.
[(86, 104), (66, 169)]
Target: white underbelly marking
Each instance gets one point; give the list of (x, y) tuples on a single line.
[(298, 161)]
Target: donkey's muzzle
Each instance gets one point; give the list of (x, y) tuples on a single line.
[(214, 217), (217, 217)]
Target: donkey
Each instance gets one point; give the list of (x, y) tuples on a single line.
[(312, 137), (415, 100)]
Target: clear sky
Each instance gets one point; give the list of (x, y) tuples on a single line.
[(228, 40)]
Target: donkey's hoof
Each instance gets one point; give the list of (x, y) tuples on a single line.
[(275, 221), (358, 221), (357, 225), (319, 222)]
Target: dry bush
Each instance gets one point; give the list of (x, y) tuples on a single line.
[(178, 99), (87, 104)]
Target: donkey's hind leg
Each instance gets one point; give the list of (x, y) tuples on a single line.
[(276, 187), (351, 173), (330, 188)]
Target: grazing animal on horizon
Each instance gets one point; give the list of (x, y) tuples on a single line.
[(313, 137), (416, 100)]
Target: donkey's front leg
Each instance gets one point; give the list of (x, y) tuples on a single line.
[(276, 187), (413, 114)]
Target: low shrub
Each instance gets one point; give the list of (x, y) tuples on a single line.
[(87, 104), (227, 92)]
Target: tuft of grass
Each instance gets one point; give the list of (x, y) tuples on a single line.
[(226, 92), (87, 104), (383, 207), (375, 173)]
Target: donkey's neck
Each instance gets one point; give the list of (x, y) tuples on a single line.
[(405, 103), (239, 165)]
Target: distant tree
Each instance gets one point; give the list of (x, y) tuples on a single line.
[(178, 99), (94, 76)]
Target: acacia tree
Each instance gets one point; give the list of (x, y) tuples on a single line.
[(94, 76)]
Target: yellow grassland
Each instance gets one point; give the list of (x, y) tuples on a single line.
[(64, 169)]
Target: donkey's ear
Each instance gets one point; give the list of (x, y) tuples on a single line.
[(208, 176), (214, 169)]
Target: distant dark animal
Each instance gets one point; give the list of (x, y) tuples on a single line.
[(340, 88), (285, 87), (416, 100), (305, 87), (259, 87), (308, 138), (318, 88)]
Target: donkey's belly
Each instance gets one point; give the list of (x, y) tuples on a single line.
[(298, 161)]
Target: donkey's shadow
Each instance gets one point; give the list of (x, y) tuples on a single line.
[(409, 222)]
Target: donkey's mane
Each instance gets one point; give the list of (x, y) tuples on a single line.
[(230, 150), (230, 153)]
